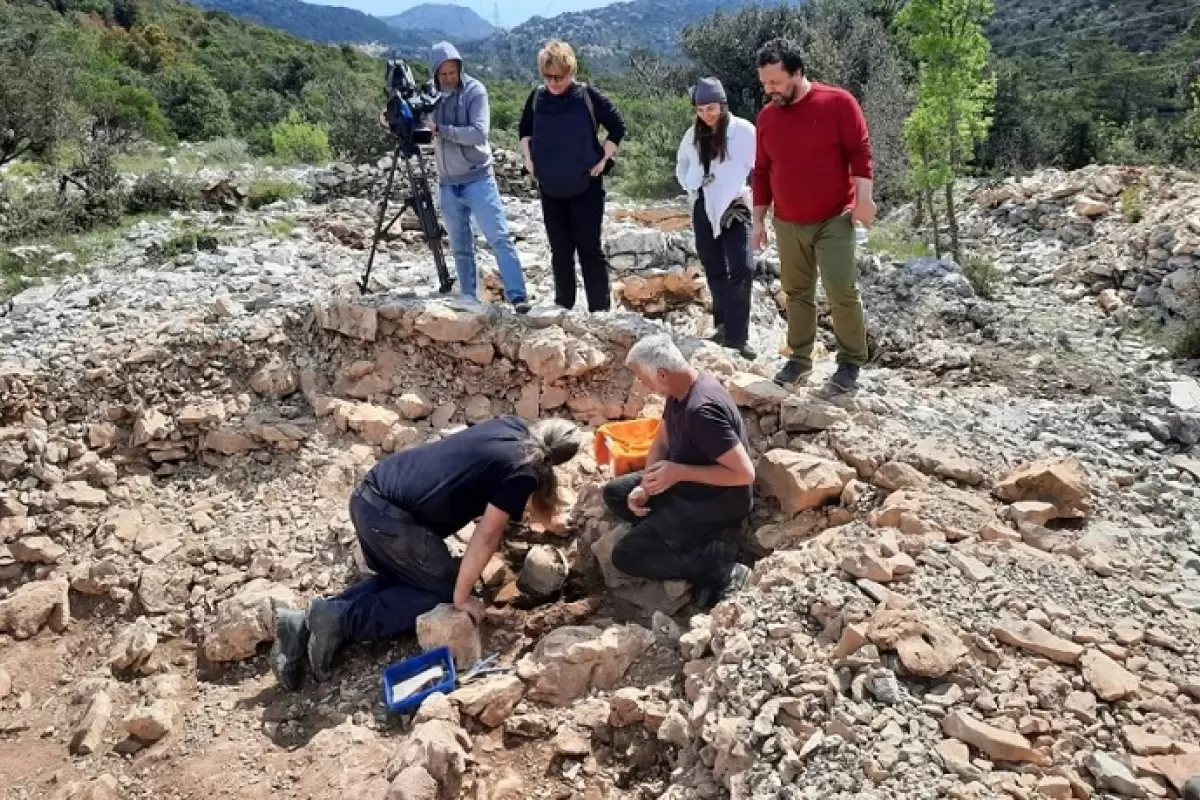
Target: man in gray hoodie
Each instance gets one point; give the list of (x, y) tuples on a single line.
[(467, 182)]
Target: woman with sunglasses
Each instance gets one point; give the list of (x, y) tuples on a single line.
[(563, 152), (714, 161)]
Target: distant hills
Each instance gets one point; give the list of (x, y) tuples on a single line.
[(457, 23), (407, 32), (603, 35), (325, 24)]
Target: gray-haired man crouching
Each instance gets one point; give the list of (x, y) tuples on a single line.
[(698, 481)]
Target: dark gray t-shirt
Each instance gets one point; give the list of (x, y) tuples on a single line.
[(702, 427)]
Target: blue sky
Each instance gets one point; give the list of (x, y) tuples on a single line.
[(511, 11)]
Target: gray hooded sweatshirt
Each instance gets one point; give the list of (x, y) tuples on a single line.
[(463, 119)]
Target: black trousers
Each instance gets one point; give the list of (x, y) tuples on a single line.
[(414, 571), (573, 227), (680, 539), (729, 267)]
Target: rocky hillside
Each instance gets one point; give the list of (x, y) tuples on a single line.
[(604, 35), (1140, 25), (976, 577), (319, 23)]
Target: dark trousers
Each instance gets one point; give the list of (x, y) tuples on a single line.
[(680, 539), (729, 266), (414, 571), (573, 226)]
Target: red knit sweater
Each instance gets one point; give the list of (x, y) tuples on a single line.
[(808, 154)]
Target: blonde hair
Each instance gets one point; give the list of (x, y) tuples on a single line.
[(559, 55)]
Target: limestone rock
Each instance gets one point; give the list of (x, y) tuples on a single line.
[(89, 733), (133, 646), (1036, 639), (246, 620), (943, 460), (25, 611), (896, 475), (490, 700), (37, 550), (802, 414), (926, 646), (373, 423), (413, 783), (1088, 207), (544, 571), (357, 322), (1111, 774), (149, 723), (569, 661), (207, 412), (997, 744), (444, 324), (1061, 482), (414, 405), (551, 354), (79, 493), (755, 391), (446, 626), (440, 749), (228, 441), (801, 481), (1108, 679)]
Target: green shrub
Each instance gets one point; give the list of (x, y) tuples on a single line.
[(1133, 203), (1186, 343), (227, 150), (982, 273), (162, 191), (270, 190), (295, 141), (188, 240), (897, 240)]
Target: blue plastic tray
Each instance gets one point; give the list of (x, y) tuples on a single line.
[(409, 667)]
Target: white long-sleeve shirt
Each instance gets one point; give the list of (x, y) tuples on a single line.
[(729, 174)]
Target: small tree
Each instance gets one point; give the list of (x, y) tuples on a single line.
[(955, 95), (35, 79)]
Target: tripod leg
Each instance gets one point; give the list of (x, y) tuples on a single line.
[(383, 204)]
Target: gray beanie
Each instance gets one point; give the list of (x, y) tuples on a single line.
[(708, 90)]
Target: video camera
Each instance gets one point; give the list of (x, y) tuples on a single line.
[(408, 105)]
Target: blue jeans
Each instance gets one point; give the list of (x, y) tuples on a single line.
[(481, 199)]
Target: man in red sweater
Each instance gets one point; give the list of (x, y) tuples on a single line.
[(814, 165)]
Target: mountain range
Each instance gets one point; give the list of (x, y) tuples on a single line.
[(406, 32), (605, 35)]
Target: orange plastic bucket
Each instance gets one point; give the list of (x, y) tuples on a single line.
[(625, 445)]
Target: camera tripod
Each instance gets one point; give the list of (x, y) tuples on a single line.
[(420, 200)]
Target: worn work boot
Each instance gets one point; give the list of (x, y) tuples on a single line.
[(737, 579), (744, 350), (290, 647), (719, 336), (324, 636), (793, 372), (846, 378)]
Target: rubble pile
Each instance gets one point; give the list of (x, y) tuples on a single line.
[(1130, 236), (969, 580)]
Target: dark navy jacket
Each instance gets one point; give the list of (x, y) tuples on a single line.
[(563, 142)]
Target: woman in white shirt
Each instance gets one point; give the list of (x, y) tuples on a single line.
[(714, 161)]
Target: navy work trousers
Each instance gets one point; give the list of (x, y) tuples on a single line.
[(414, 571)]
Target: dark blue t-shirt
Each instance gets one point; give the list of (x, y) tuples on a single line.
[(449, 483)]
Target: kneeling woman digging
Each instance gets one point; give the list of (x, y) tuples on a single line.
[(403, 510)]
